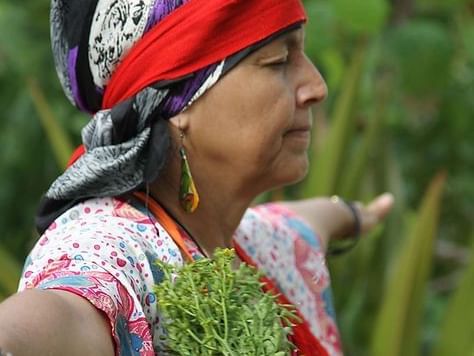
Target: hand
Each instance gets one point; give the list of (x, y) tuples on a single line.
[(369, 216)]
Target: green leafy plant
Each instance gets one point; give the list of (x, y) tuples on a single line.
[(211, 309)]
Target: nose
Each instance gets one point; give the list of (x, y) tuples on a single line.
[(312, 88)]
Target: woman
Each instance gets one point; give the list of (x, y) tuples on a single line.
[(221, 89)]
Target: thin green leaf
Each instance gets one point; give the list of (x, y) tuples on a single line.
[(323, 177), (456, 336), (358, 164), (59, 140), (10, 272), (397, 328)]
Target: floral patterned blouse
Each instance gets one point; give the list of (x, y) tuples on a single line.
[(104, 250)]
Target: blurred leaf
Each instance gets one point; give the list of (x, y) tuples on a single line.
[(10, 272), (62, 146), (24, 29), (441, 5), (456, 336), (396, 332), (321, 20), (467, 33), (362, 16), (323, 175), (12, 44), (422, 50), (335, 67), (357, 165)]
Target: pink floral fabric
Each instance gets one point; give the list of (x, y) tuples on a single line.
[(289, 253), (105, 250)]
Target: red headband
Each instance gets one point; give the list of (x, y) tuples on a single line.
[(196, 35)]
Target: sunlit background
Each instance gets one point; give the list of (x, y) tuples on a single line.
[(399, 118)]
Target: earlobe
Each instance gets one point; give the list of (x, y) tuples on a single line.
[(180, 121)]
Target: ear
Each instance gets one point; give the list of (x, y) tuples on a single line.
[(180, 121)]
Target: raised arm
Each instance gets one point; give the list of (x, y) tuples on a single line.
[(37, 322), (333, 219)]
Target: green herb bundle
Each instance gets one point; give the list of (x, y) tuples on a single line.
[(210, 309)]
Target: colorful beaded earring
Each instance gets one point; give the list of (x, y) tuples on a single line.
[(188, 194)]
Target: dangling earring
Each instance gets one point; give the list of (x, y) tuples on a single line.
[(188, 194)]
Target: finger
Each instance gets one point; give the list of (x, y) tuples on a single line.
[(368, 219), (381, 206), (375, 211)]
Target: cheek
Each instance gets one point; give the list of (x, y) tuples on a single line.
[(265, 116), (243, 120), (275, 119)]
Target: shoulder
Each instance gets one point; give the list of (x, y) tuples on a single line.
[(104, 232), (105, 251), (105, 222)]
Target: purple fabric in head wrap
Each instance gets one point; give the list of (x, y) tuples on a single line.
[(162, 9), (71, 68), (91, 37)]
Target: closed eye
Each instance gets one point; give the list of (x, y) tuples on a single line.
[(279, 62)]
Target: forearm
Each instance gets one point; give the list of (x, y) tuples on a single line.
[(326, 219), (52, 323), (335, 219)]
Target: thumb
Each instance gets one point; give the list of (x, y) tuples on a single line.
[(381, 206)]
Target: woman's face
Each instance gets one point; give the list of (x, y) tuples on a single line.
[(253, 127)]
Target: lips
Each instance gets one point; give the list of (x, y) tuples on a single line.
[(303, 128)]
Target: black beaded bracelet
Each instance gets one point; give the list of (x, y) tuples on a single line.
[(346, 245)]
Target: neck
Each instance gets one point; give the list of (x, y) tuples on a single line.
[(217, 217)]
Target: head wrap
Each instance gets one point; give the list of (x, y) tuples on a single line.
[(130, 63)]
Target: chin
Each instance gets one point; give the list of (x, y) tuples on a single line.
[(293, 173), (298, 177)]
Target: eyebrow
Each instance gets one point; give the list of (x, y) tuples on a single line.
[(294, 38), (285, 43)]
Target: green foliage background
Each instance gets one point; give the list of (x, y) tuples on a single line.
[(400, 111)]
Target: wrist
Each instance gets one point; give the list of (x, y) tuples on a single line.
[(350, 225), (350, 235), (336, 219)]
